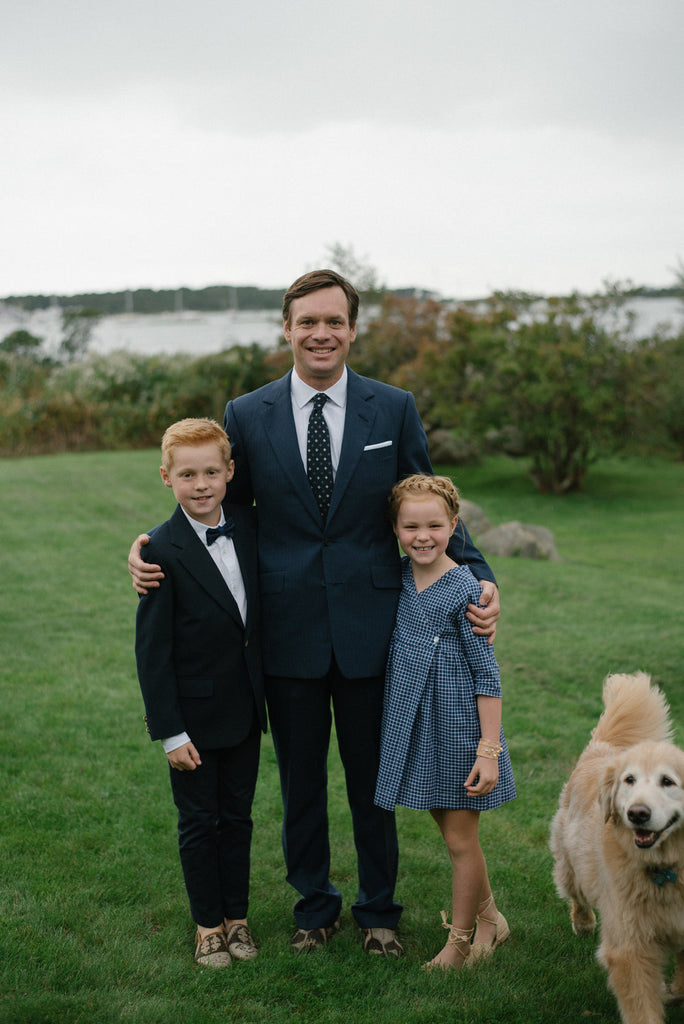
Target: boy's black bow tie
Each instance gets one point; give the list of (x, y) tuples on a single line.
[(227, 530)]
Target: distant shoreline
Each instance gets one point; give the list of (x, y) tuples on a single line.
[(227, 298), (209, 331)]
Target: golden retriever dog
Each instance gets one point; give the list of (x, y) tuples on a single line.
[(618, 843)]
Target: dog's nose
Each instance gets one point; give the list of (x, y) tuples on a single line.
[(639, 814)]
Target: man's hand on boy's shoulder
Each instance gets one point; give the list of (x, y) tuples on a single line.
[(145, 577)]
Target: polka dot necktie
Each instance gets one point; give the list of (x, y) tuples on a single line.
[(318, 460)]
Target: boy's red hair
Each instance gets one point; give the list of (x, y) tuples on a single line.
[(194, 432)]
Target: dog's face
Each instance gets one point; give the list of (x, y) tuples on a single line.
[(643, 789)]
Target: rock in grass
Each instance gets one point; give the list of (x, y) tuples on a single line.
[(519, 540)]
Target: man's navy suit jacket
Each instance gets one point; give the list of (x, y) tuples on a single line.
[(199, 667), (329, 587)]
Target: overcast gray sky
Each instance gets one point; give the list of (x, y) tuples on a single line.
[(459, 146)]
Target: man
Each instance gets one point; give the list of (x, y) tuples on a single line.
[(329, 584)]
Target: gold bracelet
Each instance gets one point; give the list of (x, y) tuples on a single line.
[(486, 748)]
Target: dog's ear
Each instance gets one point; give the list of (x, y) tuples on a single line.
[(607, 790)]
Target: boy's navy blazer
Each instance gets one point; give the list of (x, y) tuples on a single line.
[(199, 667), (329, 587)]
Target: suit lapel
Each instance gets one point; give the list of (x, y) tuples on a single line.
[(279, 423), (196, 559), (358, 422), (280, 429)]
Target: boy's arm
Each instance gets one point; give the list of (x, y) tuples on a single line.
[(145, 575), (154, 658)]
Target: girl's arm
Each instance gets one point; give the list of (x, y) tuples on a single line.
[(485, 772), (485, 672)]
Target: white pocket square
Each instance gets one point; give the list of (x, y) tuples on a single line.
[(380, 444)]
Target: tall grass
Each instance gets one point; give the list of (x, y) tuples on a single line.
[(95, 927)]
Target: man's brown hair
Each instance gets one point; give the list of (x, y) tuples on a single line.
[(315, 280)]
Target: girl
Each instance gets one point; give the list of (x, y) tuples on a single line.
[(442, 745)]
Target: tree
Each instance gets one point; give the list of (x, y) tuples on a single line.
[(678, 272), (548, 376), (23, 366), (77, 326), (561, 381), (20, 343), (362, 274), (392, 341), (656, 394)]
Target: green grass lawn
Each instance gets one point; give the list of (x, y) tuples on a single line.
[(95, 925)]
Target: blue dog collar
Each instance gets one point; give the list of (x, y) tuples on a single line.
[(663, 875)]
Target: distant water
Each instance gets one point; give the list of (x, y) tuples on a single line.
[(152, 334), (203, 333)]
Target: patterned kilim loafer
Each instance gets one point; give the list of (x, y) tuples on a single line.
[(240, 943), (382, 942), (212, 951), (307, 939)]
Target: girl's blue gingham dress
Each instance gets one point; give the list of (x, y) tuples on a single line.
[(430, 727)]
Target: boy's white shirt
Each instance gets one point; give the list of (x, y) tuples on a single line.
[(223, 553)]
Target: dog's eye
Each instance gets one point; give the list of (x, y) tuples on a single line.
[(629, 780), (667, 781)]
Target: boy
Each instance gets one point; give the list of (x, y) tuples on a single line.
[(199, 666)]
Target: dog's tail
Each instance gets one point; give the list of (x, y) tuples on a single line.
[(634, 711)]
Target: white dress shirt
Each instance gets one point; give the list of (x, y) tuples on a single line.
[(334, 412), (223, 553)]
